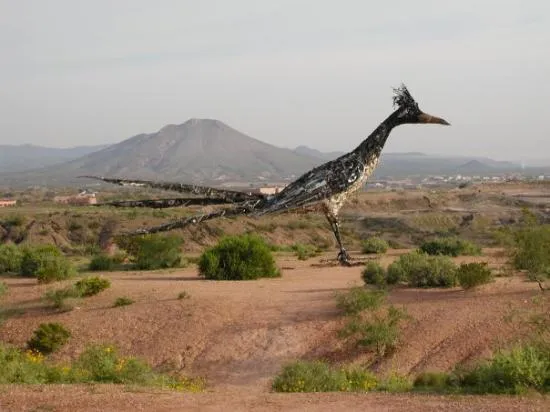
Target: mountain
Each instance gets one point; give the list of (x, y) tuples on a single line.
[(309, 152), (210, 152), (24, 157), (199, 150)]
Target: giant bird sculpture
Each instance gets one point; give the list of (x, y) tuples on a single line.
[(328, 185)]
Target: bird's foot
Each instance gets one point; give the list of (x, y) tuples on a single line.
[(344, 258)]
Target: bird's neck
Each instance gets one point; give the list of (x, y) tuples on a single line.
[(372, 146)]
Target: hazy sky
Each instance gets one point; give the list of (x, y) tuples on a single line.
[(287, 72)]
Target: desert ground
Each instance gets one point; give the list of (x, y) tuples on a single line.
[(238, 335)]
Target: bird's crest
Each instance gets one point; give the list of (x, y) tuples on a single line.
[(403, 99)]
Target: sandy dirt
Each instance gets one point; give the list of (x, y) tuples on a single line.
[(238, 335)]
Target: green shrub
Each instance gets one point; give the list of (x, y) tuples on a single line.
[(358, 299), (382, 334), (532, 244), (511, 372), (473, 274), (304, 252), (48, 338), (434, 382), (99, 363), (58, 297), (101, 262), (123, 301), (10, 258), (395, 383), (374, 274), (91, 286), (238, 258), (150, 252), (420, 270), (320, 377), (450, 246), (374, 245), (46, 263)]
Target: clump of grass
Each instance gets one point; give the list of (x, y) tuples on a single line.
[(48, 338), (46, 263), (511, 372), (85, 287), (374, 245), (122, 301), (358, 299), (3, 288), (421, 270), (320, 377), (243, 257), (516, 371), (183, 295), (91, 286), (304, 251), (450, 246), (379, 332), (434, 382), (474, 274), (97, 364)]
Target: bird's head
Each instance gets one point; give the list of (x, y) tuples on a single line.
[(408, 110)]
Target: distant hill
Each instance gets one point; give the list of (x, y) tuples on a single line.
[(199, 150), (16, 158), (210, 152)]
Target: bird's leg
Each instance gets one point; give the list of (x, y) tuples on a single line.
[(343, 256)]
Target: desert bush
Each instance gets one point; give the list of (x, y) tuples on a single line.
[(450, 246), (15, 220), (382, 333), (10, 258), (374, 274), (46, 263), (91, 286), (374, 245), (122, 301), (421, 270), (358, 299), (154, 251), (473, 274), (96, 364), (434, 382), (48, 338), (320, 377), (238, 258), (395, 383), (304, 251), (101, 262), (57, 298), (511, 372), (532, 244)]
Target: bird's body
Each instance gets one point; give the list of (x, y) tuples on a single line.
[(330, 184)]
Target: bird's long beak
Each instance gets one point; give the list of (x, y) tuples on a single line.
[(428, 118)]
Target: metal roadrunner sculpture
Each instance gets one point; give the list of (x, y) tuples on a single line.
[(328, 185)]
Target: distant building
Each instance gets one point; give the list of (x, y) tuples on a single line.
[(7, 202), (83, 198), (267, 190)]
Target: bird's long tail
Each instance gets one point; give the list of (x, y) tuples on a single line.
[(165, 203), (237, 210)]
